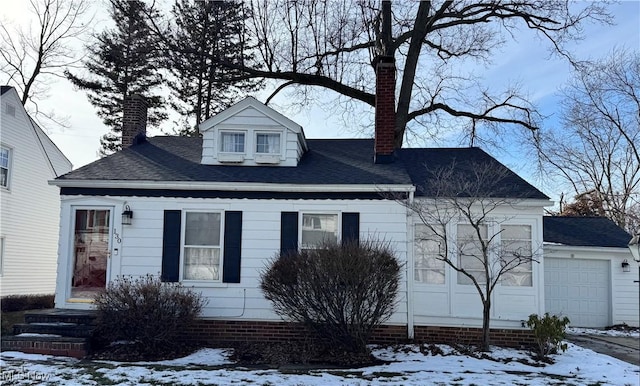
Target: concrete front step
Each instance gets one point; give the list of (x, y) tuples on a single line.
[(47, 345), (58, 315), (59, 328), (53, 332)]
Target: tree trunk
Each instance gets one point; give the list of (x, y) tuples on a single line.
[(485, 324)]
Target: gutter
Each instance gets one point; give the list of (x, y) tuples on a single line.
[(410, 268), (230, 186)]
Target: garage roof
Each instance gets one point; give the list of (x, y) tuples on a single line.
[(584, 231)]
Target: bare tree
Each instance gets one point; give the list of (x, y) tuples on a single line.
[(598, 149), (30, 57), (462, 216), (334, 45)]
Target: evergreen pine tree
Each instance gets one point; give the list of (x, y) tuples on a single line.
[(206, 33), (123, 61)]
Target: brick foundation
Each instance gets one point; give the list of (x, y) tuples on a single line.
[(473, 336), (222, 332), (70, 349)]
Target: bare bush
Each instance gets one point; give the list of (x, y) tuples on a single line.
[(146, 311), (342, 292)]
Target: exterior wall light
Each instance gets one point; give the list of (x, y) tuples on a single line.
[(625, 266), (127, 215)]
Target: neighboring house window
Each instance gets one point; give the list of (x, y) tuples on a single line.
[(516, 244), (470, 256), (317, 229), (429, 268), (5, 164), (268, 143), (232, 142), (202, 246)]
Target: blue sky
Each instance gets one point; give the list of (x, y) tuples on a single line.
[(526, 61)]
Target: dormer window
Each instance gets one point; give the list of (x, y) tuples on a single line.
[(232, 142), (251, 134), (268, 143), (232, 146)]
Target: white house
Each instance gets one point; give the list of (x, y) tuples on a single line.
[(209, 212), (30, 207), (590, 275)]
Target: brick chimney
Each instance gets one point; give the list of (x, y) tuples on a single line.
[(134, 119), (385, 109)]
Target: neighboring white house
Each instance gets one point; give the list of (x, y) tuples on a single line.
[(30, 207), (210, 212), (590, 275)]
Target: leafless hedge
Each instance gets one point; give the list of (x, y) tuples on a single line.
[(342, 292), (146, 311)]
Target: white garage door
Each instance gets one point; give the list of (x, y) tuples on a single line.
[(579, 289)]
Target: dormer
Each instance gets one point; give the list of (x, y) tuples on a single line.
[(251, 134)]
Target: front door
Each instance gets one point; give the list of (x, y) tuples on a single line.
[(91, 250)]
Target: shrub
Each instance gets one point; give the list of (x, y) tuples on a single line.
[(26, 302), (342, 292), (549, 332), (146, 311)]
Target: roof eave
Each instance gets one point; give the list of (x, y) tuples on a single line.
[(515, 201), (567, 247), (226, 186)]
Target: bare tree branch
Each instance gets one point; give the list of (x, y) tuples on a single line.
[(331, 44), (30, 57), (597, 152)]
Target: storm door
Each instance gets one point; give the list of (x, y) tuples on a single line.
[(91, 250)]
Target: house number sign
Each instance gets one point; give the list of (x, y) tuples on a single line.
[(116, 236)]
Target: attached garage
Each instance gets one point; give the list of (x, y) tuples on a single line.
[(583, 273), (579, 289)]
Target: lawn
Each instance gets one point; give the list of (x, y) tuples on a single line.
[(405, 365)]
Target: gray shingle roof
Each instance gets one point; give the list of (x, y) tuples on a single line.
[(328, 162), (584, 232), (421, 163), (4, 89)]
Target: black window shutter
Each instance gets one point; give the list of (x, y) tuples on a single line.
[(288, 232), (350, 227), (171, 246), (232, 246)]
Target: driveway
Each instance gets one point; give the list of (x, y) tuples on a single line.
[(621, 347)]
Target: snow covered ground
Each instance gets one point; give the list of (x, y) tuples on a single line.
[(591, 331), (407, 366)]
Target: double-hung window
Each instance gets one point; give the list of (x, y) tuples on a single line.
[(429, 266), (5, 165), (318, 228), (516, 255), (232, 142), (201, 256), (268, 143), (471, 258)]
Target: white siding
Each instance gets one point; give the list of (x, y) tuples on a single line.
[(29, 209), (624, 293), (451, 304), (140, 250)]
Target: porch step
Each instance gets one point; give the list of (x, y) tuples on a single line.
[(53, 332), (63, 329), (48, 345), (59, 315)]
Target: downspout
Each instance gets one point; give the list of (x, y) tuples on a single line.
[(410, 269)]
